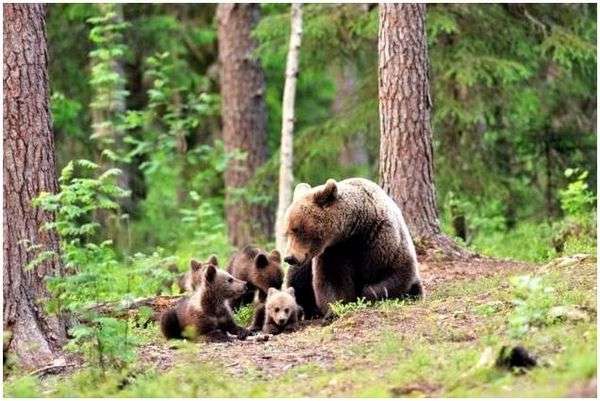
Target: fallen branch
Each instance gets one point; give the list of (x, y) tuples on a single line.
[(124, 309)]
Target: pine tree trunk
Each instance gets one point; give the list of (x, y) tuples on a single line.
[(286, 176), (406, 151), (244, 119), (29, 168)]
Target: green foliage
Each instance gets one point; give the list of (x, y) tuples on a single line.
[(106, 341), (106, 77), (576, 199), (532, 300)]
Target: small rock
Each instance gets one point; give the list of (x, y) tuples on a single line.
[(515, 357), (572, 313)]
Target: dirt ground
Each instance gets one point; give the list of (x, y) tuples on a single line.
[(280, 353)]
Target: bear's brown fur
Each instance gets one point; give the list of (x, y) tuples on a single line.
[(259, 269), (299, 277), (280, 313), (356, 239), (206, 312)]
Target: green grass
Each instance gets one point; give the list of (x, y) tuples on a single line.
[(438, 352)]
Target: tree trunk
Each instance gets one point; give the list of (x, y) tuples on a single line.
[(354, 149), (244, 119), (29, 168), (286, 176), (406, 152)]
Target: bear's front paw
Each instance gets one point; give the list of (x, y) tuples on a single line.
[(243, 333), (329, 318)]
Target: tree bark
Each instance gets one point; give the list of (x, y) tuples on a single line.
[(406, 152), (244, 119), (286, 176), (29, 168)]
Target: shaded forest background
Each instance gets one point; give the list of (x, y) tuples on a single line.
[(513, 89)]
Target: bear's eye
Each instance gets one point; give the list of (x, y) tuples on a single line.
[(295, 230), (286, 310), (230, 280), (276, 310)]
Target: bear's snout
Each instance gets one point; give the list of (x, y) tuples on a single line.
[(291, 260), (281, 322)]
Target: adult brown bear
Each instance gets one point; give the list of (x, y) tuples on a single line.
[(357, 239)]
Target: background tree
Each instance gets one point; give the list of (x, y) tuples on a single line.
[(406, 149), (286, 176), (29, 169), (244, 119)]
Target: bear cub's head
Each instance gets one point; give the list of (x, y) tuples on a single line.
[(310, 221), (259, 268), (208, 277), (267, 270), (281, 307)]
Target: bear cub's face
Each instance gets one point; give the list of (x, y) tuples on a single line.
[(281, 307), (217, 280), (267, 270), (309, 226)]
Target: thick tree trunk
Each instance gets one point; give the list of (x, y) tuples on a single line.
[(29, 168), (244, 119), (286, 176), (406, 152)]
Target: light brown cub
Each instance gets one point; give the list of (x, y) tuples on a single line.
[(280, 313)]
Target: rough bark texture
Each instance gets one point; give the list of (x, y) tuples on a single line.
[(29, 169), (244, 118), (406, 152), (286, 176)]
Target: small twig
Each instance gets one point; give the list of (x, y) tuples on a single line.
[(47, 369)]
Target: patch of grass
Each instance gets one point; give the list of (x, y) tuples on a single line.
[(243, 315)]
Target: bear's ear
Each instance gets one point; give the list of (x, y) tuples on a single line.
[(271, 291), (275, 255), (300, 190), (210, 273), (250, 251), (261, 261), (195, 265), (291, 291), (328, 194), (213, 260)]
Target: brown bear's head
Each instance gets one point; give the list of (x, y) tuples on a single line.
[(267, 270), (311, 223), (280, 305), (218, 282), (194, 276)]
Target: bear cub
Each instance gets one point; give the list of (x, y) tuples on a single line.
[(259, 269), (206, 311), (280, 313)]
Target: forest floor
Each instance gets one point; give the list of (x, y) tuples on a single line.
[(445, 345)]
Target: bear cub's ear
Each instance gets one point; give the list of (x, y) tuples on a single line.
[(272, 291), (275, 255), (213, 260), (328, 194), (261, 261), (210, 273), (291, 291), (195, 265), (300, 190)]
